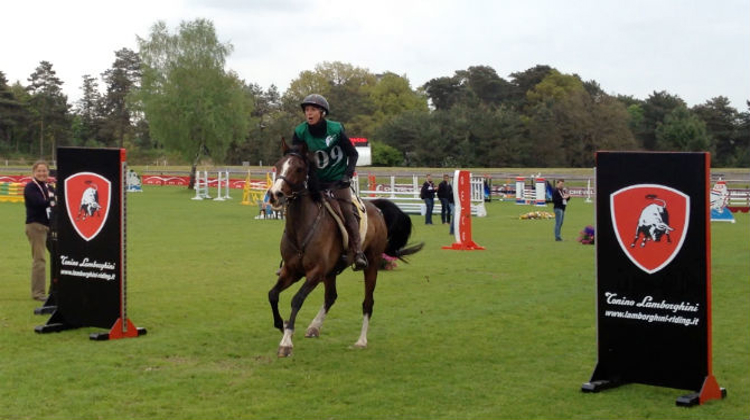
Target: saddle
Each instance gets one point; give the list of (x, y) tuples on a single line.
[(333, 207)]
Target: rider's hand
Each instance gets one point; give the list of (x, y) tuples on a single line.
[(345, 180)]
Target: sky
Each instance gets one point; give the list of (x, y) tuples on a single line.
[(694, 49)]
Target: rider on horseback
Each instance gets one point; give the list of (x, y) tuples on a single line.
[(335, 159)]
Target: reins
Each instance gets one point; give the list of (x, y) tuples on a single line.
[(299, 189)]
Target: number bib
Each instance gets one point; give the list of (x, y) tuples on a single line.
[(329, 158)]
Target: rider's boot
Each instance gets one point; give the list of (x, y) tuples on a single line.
[(355, 244)]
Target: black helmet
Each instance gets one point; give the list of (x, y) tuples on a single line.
[(317, 100)]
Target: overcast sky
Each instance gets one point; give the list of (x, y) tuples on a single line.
[(695, 49)]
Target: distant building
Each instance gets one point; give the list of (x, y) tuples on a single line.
[(364, 150)]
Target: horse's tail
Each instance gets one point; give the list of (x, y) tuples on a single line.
[(399, 230)]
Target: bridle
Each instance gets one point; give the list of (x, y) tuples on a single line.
[(298, 188)]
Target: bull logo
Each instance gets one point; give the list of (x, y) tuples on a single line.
[(87, 199), (651, 223)]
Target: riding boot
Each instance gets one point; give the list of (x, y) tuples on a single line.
[(355, 244)]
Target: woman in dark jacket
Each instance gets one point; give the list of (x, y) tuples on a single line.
[(39, 199)]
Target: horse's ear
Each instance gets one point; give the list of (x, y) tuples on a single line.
[(284, 146), (303, 148)]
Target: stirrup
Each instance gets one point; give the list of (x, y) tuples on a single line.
[(360, 261)]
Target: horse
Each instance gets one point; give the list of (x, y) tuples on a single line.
[(312, 244)]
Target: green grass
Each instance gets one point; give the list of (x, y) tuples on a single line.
[(505, 333)]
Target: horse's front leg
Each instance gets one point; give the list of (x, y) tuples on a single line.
[(313, 330), (371, 277), (286, 345), (282, 283)]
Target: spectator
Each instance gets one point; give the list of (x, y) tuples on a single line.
[(428, 195), (560, 199), (445, 195), (39, 198)]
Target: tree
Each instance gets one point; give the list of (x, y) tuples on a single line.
[(445, 92), (121, 80), (721, 124), (555, 86), (485, 85), (655, 108), (89, 113), (12, 114), (742, 153), (192, 104), (682, 131), (50, 109), (526, 80), (385, 155), (391, 96)]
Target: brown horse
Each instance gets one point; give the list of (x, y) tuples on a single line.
[(312, 245)]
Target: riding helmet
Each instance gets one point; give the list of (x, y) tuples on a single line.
[(317, 100)]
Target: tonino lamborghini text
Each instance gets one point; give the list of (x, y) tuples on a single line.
[(639, 316), (65, 260), (648, 302), (87, 269)]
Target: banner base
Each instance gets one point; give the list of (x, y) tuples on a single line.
[(118, 331), (465, 246), (45, 309), (709, 391), (55, 323), (596, 386)]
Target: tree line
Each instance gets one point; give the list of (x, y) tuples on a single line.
[(174, 100)]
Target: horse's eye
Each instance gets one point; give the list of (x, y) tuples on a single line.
[(300, 170)]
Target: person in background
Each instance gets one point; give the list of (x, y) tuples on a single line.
[(445, 195), (266, 206), (39, 198), (334, 164), (428, 195), (560, 199)]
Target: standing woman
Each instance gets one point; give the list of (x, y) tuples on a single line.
[(560, 199), (39, 198), (445, 194), (427, 193)]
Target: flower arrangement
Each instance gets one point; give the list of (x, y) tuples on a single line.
[(537, 215), (586, 236), (388, 262)]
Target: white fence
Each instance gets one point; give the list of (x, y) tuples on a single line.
[(406, 196)]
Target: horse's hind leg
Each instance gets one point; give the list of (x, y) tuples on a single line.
[(313, 330), (371, 277)]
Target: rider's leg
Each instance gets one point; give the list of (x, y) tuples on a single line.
[(351, 223)]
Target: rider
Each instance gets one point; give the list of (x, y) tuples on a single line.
[(335, 160)]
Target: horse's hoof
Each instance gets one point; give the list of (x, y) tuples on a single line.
[(360, 345), (284, 351), (312, 332)]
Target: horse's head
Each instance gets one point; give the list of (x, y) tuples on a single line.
[(291, 175)]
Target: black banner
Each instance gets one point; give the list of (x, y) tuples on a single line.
[(90, 238), (653, 269)]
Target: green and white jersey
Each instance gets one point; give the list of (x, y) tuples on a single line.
[(330, 159)]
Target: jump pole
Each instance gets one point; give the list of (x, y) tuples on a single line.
[(520, 187), (462, 219)]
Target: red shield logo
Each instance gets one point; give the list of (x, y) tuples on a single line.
[(651, 223), (87, 197)]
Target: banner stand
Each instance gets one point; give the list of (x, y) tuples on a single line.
[(89, 282), (709, 391), (653, 266), (50, 304), (119, 330), (462, 213)]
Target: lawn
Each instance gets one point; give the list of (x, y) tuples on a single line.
[(504, 333)]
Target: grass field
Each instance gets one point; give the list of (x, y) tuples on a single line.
[(505, 333)]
